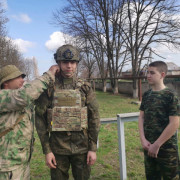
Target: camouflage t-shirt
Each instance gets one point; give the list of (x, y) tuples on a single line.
[(157, 107)]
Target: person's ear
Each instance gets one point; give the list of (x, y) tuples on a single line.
[(5, 85), (163, 74)]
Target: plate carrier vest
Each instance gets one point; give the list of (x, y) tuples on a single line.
[(67, 113)]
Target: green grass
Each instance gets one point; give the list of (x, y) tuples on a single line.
[(107, 164), (110, 105)]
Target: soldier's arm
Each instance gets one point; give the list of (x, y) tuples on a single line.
[(14, 100), (42, 104), (93, 117)]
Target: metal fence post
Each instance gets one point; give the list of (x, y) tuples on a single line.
[(121, 119), (122, 154)]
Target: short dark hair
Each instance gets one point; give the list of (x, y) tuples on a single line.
[(160, 65)]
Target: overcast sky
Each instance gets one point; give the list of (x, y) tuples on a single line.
[(29, 26)]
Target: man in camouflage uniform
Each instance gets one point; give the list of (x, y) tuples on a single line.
[(17, 120), (158, 124), (70, 113)]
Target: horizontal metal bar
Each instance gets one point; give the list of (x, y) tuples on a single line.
[(108, 120), (124, 117)]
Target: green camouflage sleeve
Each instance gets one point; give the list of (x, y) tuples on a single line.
[(93, 117), (14, 100), (42, 103), (174, 106), (141, 108)]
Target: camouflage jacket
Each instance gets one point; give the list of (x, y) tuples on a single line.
[(157, 107), (69, 142), (15, 146)]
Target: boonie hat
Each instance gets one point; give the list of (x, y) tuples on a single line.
[(9, 72)]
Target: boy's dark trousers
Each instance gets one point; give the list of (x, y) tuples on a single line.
[(165, 166)]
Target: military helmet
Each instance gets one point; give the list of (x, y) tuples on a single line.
[(66, 53), (9, 72)]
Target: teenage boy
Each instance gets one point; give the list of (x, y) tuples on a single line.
[(158, 124)]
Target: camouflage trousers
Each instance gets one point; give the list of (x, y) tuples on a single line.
[(165, 166), (21, 173), (78, 163)]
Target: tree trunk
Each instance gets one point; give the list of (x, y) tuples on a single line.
[(115, 88), (104, 85), (135, 88)]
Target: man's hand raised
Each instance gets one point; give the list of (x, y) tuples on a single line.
[(54, 69)]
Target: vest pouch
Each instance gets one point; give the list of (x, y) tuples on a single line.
[(67, 118)]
